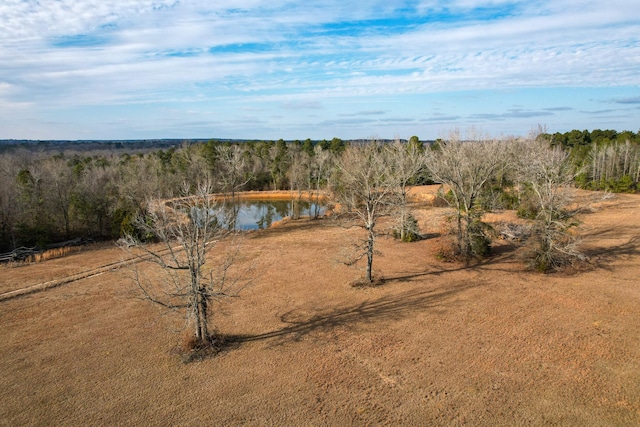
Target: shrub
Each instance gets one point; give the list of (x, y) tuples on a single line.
[(443, 250), (479, 238), (411, 230), (527, 211), (498, 198), (623, 185), (552, 248)]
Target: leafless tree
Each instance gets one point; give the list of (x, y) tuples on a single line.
[(34, 201), (406, 161), (233, 173), (233, 168), (321, 164), (615, 166), (59, 182), (9, 201), (187, 229), (190, 164), (365, 192), (546, 176), (95, 199), (135, 190), (465, 168), (297, 172)]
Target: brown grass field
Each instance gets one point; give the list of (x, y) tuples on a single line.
[(437, 344)]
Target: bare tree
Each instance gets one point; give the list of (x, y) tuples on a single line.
[(546, 176), (60, 182), (35, 221), (233, 172), (136, 191), (188, 229), (365, 191), (465, 167), (614, 166), (406, 161), (321, 164), (9, 201), (95, 199), (297, 172)]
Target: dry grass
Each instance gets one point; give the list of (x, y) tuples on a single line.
[(44, 256), (277, 195), (53, 253), (436, 344)]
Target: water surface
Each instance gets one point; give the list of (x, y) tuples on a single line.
[(259, 214)]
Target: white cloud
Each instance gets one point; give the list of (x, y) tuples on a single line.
[(67, 53)]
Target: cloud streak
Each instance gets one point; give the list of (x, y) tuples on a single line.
[(326, 56)]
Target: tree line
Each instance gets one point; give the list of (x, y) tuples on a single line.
[(47, 198), (607, 159)]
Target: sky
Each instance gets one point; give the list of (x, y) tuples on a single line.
[(254, 69)]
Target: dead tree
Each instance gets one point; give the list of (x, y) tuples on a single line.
[(180, 235)]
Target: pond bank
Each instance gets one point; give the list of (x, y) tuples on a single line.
[(275, 195)]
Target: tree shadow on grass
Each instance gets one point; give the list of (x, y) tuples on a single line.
[(484, 265), (303, 322), (300, 323), (428, 236), (603, 257)]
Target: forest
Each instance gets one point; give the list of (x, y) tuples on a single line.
[(54, 195)]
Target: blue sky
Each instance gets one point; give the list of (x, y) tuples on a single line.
[(129, 69)]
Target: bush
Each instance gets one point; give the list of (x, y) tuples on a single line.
[(122, 223), (527, 211), (411, 230), (478, 238), (527, 206), (444, 199), (443, 250), (34, 236), (551, 249), (498, 198), (582, 181), (623, 185)]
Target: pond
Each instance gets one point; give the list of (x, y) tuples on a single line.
[(259, 214)]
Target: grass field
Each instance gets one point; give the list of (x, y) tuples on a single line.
[(437, 344)]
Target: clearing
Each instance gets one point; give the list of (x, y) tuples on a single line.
[(437, 344)]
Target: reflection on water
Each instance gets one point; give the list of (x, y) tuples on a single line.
[(259, 214)]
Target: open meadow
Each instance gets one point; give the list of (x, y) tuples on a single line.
[(438, 343)]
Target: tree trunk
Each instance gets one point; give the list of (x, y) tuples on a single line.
[(403, 219), (202, 333), (460, 233), (369, 277), (199, 307)]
